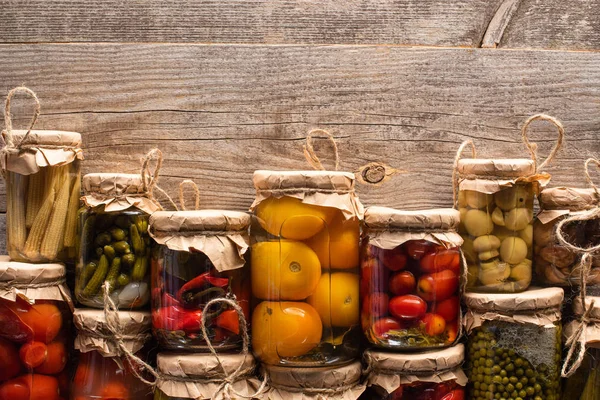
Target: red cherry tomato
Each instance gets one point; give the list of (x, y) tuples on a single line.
[(115, 391), (383, 325), (14, 390), (438, 286), (448, 308), (374, 277), (402, 283), (55, 361), (45, 320), (440, 260), (457, 394), (376, 304), (418, 248), (394, 259), (30, 387), (9, 360), (407, 307), (433, 324), (452, 331), (33, 354)]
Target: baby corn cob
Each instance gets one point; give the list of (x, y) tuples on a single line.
[(16, 214), (35, 195), (71, 224), (36, 233), (53, 239)]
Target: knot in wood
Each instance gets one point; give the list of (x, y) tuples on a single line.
[(374, 173)]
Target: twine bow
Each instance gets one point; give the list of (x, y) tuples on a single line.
[(150, 179), (309, 151), (191, 183)]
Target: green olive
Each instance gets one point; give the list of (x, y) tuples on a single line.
[(488, 255), (527, 235), (513, 250), (117, 234), (518, 218), (512, 197), (486, 243), (478, 223), (498, 217), (477, 199)]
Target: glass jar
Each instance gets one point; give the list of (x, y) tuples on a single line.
[(514, 344), (103, 372), (35, 321), (199, 376), (432, 375), (115, 245), (200, 257), (42, 195), (495, 201), (410, 273), (305, 256), (555, 264), (316, 383)]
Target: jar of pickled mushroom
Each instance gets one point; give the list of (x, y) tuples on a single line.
[(514, 344), (115, 245), (305, 256), (582, 369), (317, 383), (411, 269), (35, 322), (103, 370), (432, 375), (42, 174), (555, 264), (200, 377), (200, 257)]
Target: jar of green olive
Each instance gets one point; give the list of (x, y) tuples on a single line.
[(514, 344), (115, 245)]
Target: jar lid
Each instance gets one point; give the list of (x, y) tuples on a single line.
[(417, 363), (131, 322), (204, 366), (532, 299), (113, 184), (504, 168), (14, 272), (573, 199), (578, 310), (199, 221), (390, 218), (282, 181), (317, 377)]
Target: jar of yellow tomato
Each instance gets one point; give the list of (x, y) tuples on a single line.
[(304, 268)]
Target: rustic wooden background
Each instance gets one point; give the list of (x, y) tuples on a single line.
[(224, 87)]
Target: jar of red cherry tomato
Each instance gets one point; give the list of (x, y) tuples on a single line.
[(433, 375), (35, 319), (103, 371), (200, 257), (410, 278)]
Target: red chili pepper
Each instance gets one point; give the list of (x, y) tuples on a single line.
[(229, 320), (168, 300), (174, 318), (217, 282), (195, 283)]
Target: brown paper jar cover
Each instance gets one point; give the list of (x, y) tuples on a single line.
[(492, 175), (592, 329), (220, 234)]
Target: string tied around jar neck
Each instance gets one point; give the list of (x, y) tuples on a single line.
[(150, 178), (11, 146), (310, 154)]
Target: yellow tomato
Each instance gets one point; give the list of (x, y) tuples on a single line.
[(290, 218), (337, 246), (286, 329), (284, 270), (336, 299)]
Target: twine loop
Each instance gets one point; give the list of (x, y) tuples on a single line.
[(588, 178), (191, 183), (11, 146), (532, 147), (309, 151), (457, 158), (150, 178)]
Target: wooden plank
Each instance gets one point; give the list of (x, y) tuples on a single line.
[(423, 22), (220, 112)]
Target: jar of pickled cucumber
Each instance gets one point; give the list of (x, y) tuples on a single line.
[(200, 377), (554, 263), (115, 246), (411, 269), (103, 371), (305, 256), (514, 344), (35, 324), (583, 374), (317, 383), (201, 256), (431, 375)]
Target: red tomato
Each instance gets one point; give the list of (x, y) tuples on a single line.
[(438, 286), (30, 387), (452, 331), (33, 354), (115, 391), (11, 326), (45, 320), (374, 277), (402, 283), (394, 259), (56, 360), (383, 325), (433, 324), (448, 308), (418, 248), (9, 360), (407, 307), (440, 260), (457, 394), (14, 390), (376, 304)]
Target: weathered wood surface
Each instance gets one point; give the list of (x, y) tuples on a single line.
[(535, 24)]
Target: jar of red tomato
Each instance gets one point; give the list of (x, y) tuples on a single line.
[(433, 375), (410, 278), (200, 257), (35, 317), (103, 370)]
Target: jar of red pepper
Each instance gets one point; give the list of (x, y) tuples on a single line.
[(35, 317), (200, 257), (410, 275)]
